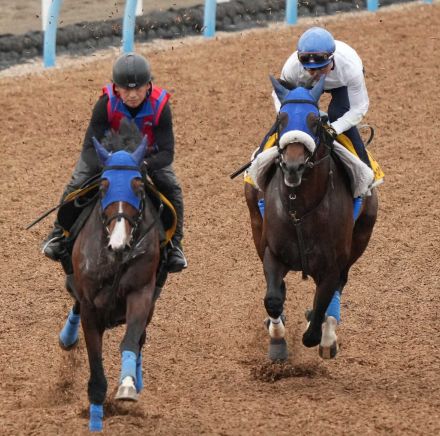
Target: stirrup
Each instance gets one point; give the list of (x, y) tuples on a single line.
[(370, 128), (50, 241)]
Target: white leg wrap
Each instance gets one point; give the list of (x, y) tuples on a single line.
[(329, 332), (276, 328)]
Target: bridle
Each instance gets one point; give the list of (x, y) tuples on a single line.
[(133, 220), (310, 161)]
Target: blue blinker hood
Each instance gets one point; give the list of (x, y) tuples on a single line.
[(120, 188)]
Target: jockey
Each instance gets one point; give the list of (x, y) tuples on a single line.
[(319, 54), (132, 95)]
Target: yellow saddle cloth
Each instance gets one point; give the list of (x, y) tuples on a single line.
[(343, 140)]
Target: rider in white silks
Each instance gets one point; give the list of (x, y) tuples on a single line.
[(317, 55)]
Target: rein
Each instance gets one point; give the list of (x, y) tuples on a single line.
[(298, 221)]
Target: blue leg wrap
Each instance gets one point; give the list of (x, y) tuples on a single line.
[(334, 308), (357, 204), (96, 415), (139, 383), (69, 333), (261, 206), (128, 368)]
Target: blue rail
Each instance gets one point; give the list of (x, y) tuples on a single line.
[(291, 12), (128, 26), (50, 35), (372, 5), (209, 18)]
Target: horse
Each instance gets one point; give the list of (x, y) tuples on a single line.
[(311, 222), (116, 278)]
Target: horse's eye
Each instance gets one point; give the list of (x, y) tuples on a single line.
[(103, 188), (138, 187)]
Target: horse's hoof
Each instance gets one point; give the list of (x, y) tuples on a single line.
[(329, 352), (127, 390), (67, 347), (278, 350)]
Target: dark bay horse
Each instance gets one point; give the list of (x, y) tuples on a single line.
[(115, 259), (309, 222)]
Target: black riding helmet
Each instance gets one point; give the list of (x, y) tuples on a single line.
[(131, 70)]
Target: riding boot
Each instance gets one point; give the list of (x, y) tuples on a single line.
[(176, 260), (52, 246), (167, 183)]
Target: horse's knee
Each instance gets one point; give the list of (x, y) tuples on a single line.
[(274, 306)]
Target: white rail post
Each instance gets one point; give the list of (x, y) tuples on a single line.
[(139, 8)]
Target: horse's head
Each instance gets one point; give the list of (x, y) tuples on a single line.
[(122, 193), (299, 127)]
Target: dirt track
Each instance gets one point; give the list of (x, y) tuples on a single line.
[(205, 362)]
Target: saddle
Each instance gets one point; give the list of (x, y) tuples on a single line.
[(78, 206)]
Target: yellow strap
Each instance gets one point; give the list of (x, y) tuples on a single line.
[(169, 232), (80, 192)]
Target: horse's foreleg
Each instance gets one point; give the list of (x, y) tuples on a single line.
[(325, 291), (68, 337), (139, 307), (97, 389), (251, 195), (328, 347), (275, 272)]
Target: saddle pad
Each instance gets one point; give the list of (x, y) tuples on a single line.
[(271, 141), (345, 141)]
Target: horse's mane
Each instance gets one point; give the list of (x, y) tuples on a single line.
[(128, 137)]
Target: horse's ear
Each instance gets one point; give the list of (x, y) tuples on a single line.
[(318, 89), (313, 123), (139, 153), (102, 153), (279, 89)]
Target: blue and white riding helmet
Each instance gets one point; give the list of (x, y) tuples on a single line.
[(316, 48)]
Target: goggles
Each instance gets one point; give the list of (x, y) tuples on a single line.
[(318, 59)]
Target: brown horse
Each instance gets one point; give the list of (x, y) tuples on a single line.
[(309, 223), (115, 259)]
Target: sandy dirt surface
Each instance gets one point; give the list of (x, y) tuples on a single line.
[(205, 363), (24, 15)]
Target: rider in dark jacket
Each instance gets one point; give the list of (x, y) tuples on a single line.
[(132, 95)]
